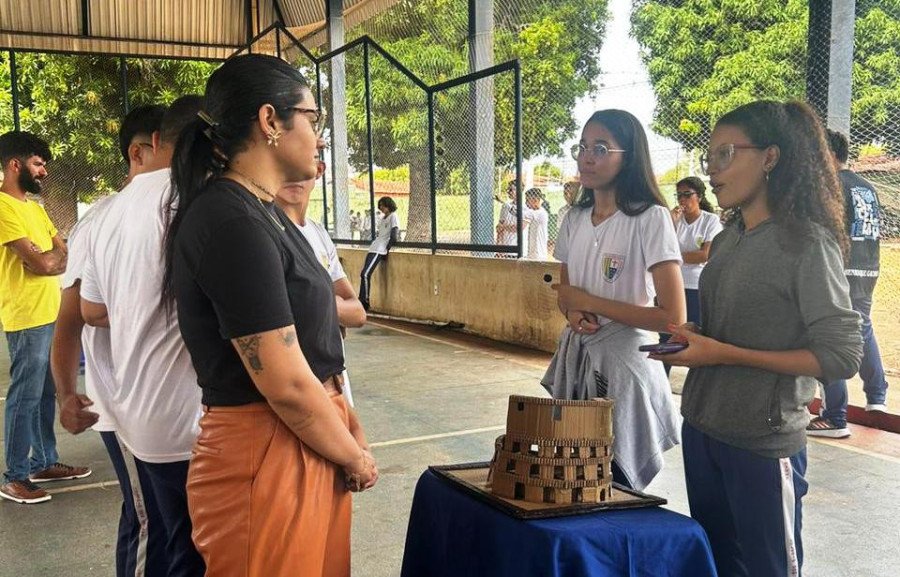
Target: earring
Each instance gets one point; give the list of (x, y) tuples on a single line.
[(766, 172), (272, 137)]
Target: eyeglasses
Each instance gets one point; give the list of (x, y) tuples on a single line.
[(721, 157), (687, 194), (597, 150), (316, 116)]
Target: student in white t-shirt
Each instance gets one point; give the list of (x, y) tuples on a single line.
[(537, 221), (387, 232), (294, 201), (157, 404), (696, 225), (142, 537), (619, 252)]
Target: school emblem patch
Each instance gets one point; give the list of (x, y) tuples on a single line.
[(612, 266)]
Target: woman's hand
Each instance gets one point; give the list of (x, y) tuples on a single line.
[(583, 323), (363, 474), (701, 351), (677, 213), (571, 298)]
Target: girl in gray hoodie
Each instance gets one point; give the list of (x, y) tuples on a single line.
[(775, 316)]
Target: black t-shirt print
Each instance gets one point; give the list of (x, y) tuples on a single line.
[(238, 272)]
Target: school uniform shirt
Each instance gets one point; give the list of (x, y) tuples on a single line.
[(538, 221), (241, 268), (507, 217), (27, 300), (383, 228), (327, 255), (155, 382), (612, 260), (692, 237), (323, 247), (99, 380)]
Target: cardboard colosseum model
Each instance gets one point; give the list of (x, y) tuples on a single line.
[(554, 451)]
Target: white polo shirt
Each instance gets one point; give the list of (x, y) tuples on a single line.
[(692, 237), (383, 226), (613, 259)]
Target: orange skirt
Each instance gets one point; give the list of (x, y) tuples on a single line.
[(262, 503)]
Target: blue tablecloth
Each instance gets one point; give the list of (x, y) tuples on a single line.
[(452, 534)]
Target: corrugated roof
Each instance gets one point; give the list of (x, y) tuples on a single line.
[(211, 29)]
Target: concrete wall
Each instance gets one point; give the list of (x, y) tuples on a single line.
[(502, 299)]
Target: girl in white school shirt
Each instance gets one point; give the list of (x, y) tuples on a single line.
[(618, 251), (387, 229)]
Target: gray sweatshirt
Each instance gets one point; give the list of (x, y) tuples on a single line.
[(645, 420), (767, 289)]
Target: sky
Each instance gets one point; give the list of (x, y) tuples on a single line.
[(625, 84)]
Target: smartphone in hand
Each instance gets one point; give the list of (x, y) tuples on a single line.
[(662, 348)]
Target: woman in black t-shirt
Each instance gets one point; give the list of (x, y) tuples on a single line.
[(258, 315)]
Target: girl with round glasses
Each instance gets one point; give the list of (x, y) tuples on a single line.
[(775, 316), (619, 251)]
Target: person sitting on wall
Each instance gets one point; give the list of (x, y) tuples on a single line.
[(388, 233)]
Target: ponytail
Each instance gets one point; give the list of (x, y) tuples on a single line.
[(194, 163), (234, 94)]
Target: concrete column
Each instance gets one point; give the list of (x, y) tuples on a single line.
[(337, 112), (481, 117), (840, 65)]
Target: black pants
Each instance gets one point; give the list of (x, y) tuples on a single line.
[(365, 277)]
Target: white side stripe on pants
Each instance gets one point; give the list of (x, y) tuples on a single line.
[(139, 508), (788, 508)]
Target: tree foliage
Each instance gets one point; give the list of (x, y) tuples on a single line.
[(706, 57), (75, 103)]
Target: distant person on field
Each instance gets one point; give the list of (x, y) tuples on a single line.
[(863, 220), (506, 224), (537, 220), (570, 193)]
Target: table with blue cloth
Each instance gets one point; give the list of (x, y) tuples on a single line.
[(452, 534)]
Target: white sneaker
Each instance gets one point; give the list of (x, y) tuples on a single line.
[(876, 407)]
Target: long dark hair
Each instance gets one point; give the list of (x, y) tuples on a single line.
[(635, 185), (234, 94), (803, 186), (698, 186)]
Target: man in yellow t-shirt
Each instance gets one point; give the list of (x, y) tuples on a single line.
[(31, 256)]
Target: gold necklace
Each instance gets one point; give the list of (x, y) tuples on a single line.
[(258, 199), (256, 184)]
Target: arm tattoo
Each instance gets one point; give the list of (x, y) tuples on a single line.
[(250, 350), (288, 336)]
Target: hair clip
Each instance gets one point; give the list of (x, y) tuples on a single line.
[(207, 119)]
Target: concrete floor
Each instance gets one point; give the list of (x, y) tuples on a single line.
[(432, 397)]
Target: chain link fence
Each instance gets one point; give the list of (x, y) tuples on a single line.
[(76, 103)]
